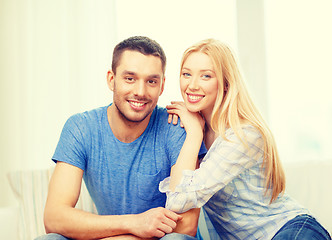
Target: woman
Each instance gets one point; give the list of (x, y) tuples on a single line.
[(240, 182)]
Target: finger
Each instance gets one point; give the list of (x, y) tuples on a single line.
[(172, 215), (164, 227), (169, 222), (159, 234), (170, 116), (175, 119), (181, 103), (181, 124), (173, 111), (173, 106), (176, 102)]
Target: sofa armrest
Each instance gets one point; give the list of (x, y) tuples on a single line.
[(9, 222), (30, 189)]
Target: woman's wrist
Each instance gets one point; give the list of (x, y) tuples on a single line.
[(195, 134)]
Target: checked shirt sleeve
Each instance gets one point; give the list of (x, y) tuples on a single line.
[(224, 161)]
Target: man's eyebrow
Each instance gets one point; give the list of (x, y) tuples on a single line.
[(155, 76), (126, 72), (131, 73)]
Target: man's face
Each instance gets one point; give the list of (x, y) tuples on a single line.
[(137, 85)]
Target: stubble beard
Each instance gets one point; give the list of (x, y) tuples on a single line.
[(130, 120)]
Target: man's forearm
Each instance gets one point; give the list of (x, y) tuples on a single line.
[(77, 224)]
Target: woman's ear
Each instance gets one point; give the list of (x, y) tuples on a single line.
[(110, 80)]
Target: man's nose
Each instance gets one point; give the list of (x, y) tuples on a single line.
[(140, 88)]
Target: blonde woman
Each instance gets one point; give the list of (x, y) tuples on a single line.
[(240, 182)]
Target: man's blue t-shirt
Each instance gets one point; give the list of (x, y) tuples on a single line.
[(122, 178)]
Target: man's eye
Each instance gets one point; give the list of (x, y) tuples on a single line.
[(152, 81), (130, 79)]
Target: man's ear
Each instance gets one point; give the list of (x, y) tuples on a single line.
[(110, 80), (162, 86)]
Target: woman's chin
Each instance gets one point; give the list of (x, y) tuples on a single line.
[(192, 108)]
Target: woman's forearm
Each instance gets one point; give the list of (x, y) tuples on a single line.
[(188, 157)]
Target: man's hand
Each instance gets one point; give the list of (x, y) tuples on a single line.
[(155, 222)]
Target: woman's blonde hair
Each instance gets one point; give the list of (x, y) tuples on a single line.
[(234, 106)]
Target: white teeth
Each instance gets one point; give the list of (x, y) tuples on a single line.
[(194, 97), (137, 104)]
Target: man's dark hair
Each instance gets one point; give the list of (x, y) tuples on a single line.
[(141, 44)]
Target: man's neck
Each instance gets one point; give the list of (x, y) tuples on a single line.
[(124, 130)]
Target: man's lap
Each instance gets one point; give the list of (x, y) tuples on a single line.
[(171, 236), (177, 236)]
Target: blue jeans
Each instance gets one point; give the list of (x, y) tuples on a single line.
[(52, 236), (177, 236), (171, 236), (302, 227)]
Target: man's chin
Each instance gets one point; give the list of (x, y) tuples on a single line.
[(136, 118)]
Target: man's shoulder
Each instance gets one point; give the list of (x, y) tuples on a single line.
[(160, 116), (161, 121), (160, 113), (87, 118), (92, 114)]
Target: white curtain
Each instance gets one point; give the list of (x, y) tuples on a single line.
[(54, 60)]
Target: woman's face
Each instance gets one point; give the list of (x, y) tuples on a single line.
[(198, 83)]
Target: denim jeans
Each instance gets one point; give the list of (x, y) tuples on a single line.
[(171, 236), (177, 236), (302, 227), (52, 236)]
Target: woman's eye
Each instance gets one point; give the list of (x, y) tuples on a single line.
[(186, 75), (206, 76)]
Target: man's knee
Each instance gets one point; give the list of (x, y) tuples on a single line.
[(52, 236), (177, 236)]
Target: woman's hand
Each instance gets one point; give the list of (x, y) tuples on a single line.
[(191, 121)]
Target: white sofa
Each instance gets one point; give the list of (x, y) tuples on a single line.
[(309, 183)]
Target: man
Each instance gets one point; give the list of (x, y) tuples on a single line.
[(122, 151)]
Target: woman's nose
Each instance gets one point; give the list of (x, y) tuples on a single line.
[(193, 85)]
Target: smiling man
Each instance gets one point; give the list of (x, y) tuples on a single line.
[(122, 151)]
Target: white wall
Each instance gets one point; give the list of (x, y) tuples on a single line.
[(299, 50), (176, 25), (55, 56), (54, 59), (252, 51)]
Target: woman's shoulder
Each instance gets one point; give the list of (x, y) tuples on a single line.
[(249, 142), (246, 135), (247, 129)]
